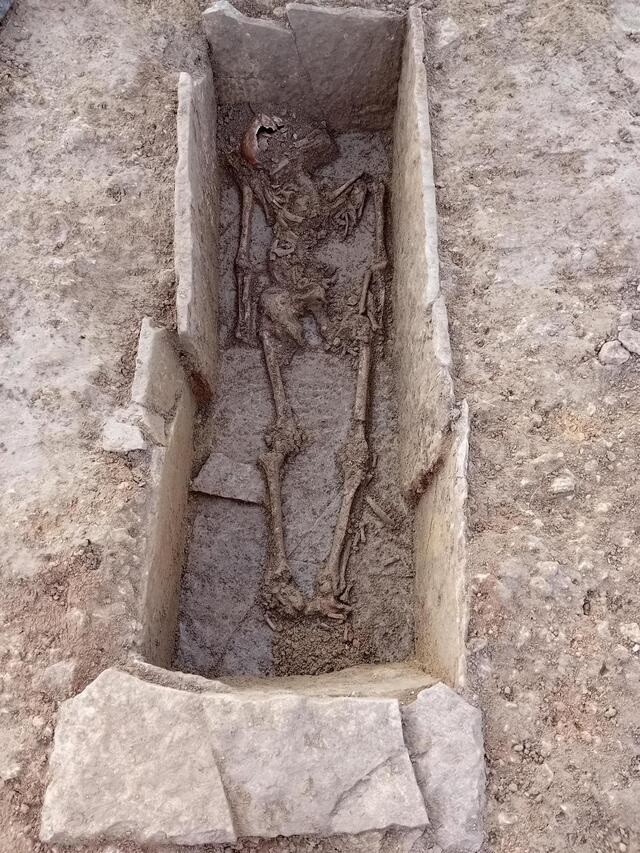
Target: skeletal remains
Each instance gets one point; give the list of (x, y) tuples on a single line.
[(275, 172)]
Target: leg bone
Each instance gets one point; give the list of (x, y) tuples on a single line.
[(246, 324), (280, 590)]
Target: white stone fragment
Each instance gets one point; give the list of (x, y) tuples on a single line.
[(630, 339), (612, 352), (120, 437), (132, 758), (226, 478), (565, 484), (631, 631), (444, 736), (57, 680), (159, 376), (12, 745)]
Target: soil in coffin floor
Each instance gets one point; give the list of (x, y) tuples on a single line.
[(223, 627)]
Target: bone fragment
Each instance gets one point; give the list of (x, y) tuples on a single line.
[(377, 510)]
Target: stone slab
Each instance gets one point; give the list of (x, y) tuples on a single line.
[(133, 759), (444, 737), (351, 57), (401, 681), (196, 229), (170, 766), (57, 680), (5, 5), (170, 472), (253, 59), (121, 437), (441, 609), (293, 765), (159, 377), (426, 398), (226, 478), (630, 339)]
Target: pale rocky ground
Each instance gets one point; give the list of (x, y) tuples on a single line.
[(535, 112)]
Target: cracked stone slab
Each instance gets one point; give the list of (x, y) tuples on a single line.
[(444, 736), (223, 477), (253, 59), (351, 57), (296, 765), (164, 765), (132, 758)]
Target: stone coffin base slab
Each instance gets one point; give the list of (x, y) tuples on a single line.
[(157, 765)]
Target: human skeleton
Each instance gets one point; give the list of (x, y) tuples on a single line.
[(271, 306)]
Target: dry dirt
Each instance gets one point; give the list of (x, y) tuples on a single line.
[(535, 111)]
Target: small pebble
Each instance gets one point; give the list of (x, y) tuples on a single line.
[(565, 484), (613, 353), (630, 339)]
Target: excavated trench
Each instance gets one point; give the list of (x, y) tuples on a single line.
[(324, 523), (231, 619), (303, 526)]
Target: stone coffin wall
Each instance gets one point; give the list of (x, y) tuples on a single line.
[(423, 350), (433, 459), (341, 64), (159, 421), (196, 230), (441, 609)]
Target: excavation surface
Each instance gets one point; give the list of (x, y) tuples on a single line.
[(225, 628)]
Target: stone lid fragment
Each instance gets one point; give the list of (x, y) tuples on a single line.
[(226, 478), (294, 765), (161, 765), (134, 759), (444, 736)]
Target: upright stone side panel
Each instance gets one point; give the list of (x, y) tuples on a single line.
[(170, 473), (422, 338), (441, 609), (341, 65), (352, 60), (253, 59), (159, 377), (196, 229)]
